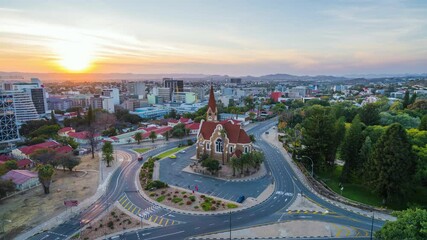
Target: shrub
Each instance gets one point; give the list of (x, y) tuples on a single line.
[(176, 200), (189, 202), (206, 206), (190, 142), (203, 196), (176, 192), (169, 198), (160, 199), (110, 224), (183, 192), (185, 196), (181, 203), (196, 207), (193, 198), (163, 192), (113, 213), (231, 205), (213, 208), (152, 194), (156, 184)]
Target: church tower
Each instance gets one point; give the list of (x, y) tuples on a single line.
[(212, 113)]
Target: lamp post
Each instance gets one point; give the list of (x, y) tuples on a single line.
[(372, 225), (230, 224), (312, 164)]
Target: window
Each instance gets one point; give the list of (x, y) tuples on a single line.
[(208, 146), (231, 149), (218, 145), (246, 149)]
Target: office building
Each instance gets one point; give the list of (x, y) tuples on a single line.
[(113, 93), (137, 88), (164, 93), (236, 80), (173, 84), (8, 126), (102, 102), (24, 107)]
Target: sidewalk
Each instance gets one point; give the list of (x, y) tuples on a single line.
[(53, 222), (272, 139)]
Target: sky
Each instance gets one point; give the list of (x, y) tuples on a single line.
[(233, 37)]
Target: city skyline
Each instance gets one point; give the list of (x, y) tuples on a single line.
[(221, 37)]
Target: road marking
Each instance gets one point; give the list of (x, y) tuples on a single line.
[(132, 208), (197, 228), (173, 222), (155, 220), (161, 220), (150, 218), (167, 221), (122, 198), (136, 210), (165, 235), (127, 204)]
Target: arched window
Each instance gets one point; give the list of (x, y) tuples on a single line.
[(231, 149), (246, 149), (218, 145)]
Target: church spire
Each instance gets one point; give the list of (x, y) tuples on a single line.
[(211, 114)]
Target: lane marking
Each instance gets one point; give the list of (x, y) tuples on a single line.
[(170, 234)]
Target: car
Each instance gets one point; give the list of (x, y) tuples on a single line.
[(183, 151), (241, 199), (266, 132), (173, 156), (140, 158)]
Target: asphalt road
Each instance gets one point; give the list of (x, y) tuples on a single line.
[(122, 187)]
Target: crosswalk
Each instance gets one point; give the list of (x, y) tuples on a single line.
[(292, 212), (149, 213)]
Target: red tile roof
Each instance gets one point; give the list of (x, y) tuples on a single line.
[(27, 150), (81, 135), (24, 162), (185, 120), (193, 126), (234, 133), (212, 102), (65, 129), (4, 158), (64, 149), (157, 131), (19, 176)]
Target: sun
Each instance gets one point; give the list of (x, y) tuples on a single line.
[(74, 57)]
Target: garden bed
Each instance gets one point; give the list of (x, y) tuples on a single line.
[(188, 201)]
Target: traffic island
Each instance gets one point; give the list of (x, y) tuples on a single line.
[(112, 222), (189, 201)]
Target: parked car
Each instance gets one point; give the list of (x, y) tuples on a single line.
[(266, 132), (241, 199), (140, 158)]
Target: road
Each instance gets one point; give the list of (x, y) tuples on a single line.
[(180, 226)]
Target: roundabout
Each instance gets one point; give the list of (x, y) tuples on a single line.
[(175, 224)]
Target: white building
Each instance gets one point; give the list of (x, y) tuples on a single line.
[(113, 93), (24, 107)]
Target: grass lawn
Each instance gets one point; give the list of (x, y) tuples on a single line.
[(141, 150), (170, 152), (351, 191)]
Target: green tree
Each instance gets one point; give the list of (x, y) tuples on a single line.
[(413, 98), (67, 141), (6, 186), (167, 136), (410, 224), (252, 137), (46, 131), (152, 136), (211, 165), (179, 130), (365, 152), (234, 162), (249, 102), (392, 164), (138, 137), (406, 100), (352, 143), (369, 114), (11, 164), (45, 156), (69, 161), (318, 136), (53, 119), (90, 116), (423, 123), (45, 173), (107, 153)]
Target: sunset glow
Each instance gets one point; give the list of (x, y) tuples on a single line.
[(74, 57)]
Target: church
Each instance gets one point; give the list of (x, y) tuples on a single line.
[(221, 140)]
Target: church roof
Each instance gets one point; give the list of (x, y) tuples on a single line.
[(234, 133), (212, 102)]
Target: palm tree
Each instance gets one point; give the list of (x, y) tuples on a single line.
[(138, 137), (152, 136), (45, 173), (234, 161)]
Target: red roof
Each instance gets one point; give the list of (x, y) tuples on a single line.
[(185, 120), (193, 126), (24, 162), (64, 149), (173, 121), (157, 131), (233, 121), (19, 176), (81, 135), (149, 129), (27, 150), (4, 158), (65, 129), (212, 102), (234, 133), (237, 153)]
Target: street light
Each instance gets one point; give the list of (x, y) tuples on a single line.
[(230, 224), (312, 164), (372, 225)]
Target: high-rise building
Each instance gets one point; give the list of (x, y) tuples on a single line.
[(8, 127), (137, 88), (24, 107), (164, 93), (102, 102), (173, 84), (236, 80), (113, 93)]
